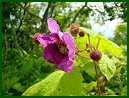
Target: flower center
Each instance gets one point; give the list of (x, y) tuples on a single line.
[(62, 47)]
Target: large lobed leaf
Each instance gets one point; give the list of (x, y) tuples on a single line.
[(107, 45), (58, 83), (104, 44), (107, 67)]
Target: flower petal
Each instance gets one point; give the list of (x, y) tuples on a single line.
[(60, 34), (53, 26), (48, 53), (52, 54), (68, 40), (46, 39), (66, 64)]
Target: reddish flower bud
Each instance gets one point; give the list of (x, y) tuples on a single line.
[(81, 34), (74, 28), (87, 44), (35, 38), (95, 55)]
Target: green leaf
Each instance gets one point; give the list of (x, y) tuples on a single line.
[(46, 86), (88, 31), (124, 91), (89, 69), (118, 64), (107, 45), (90, 86), (122, 27), (109, 92), (70, 84), (14, 79), (18, 87), (58, 83), (104, 44), (81, 43), (107, 67), (27, 67)]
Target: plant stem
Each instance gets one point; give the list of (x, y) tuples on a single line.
[(78, 50), (88, 38), (98, 43), (97, 78), (83, 56), (81, 50), (91, 46)]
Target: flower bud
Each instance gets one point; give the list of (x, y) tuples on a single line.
[(95, 55), (74, 28), (81, 34), (87, 44), (35, 38)]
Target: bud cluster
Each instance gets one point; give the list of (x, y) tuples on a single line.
[(74, 29)]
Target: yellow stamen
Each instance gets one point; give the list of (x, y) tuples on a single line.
[(62, 47)]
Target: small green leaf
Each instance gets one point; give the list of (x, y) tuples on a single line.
[(58, 83), (109, 92), (27, 67), (14, 79), (107, 67), (124, 91), (122, 27), (90, 86), (18, 87)]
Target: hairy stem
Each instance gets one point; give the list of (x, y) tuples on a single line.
[(83, 56), (78, 50), (98, 43), (91, 46), (97, 78), (88, 38), (81, 50)]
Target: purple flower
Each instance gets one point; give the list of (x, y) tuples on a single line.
[(58, 47)]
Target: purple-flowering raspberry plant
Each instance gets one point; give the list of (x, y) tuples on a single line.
[(58, 47)]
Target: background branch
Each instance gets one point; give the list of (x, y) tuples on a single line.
[(79, 11), (45, 16), (32, 14)]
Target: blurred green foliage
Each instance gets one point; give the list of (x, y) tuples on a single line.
[(22, 61)]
